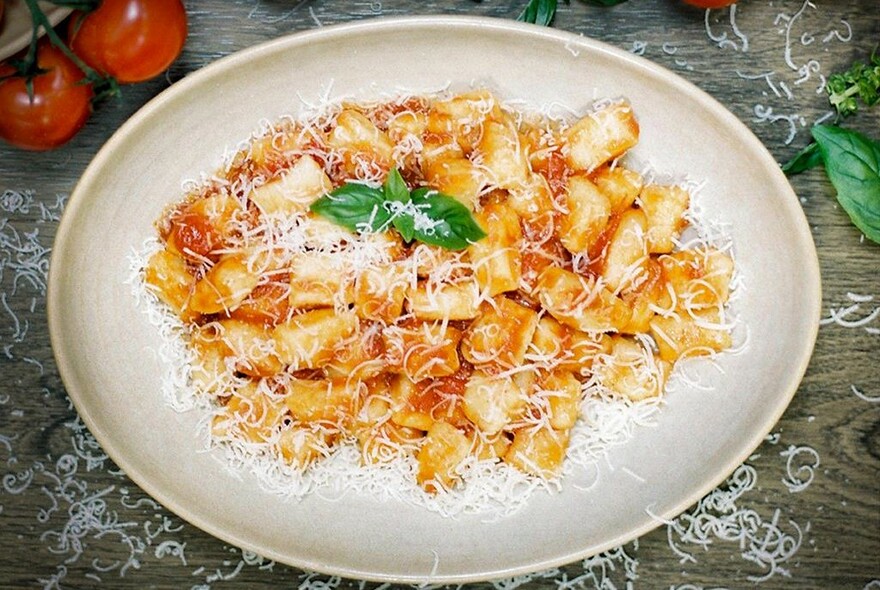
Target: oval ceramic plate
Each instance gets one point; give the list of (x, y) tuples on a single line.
[(104, 345), (16, 24)]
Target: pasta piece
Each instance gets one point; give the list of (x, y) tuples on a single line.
[(538, 451), (322, 234), (463, 118), (365, 149), (268, 303), (435, 263), (422, 349), (406, 129), (407, 124), (626, 255), (379, 292), (533, 200), (489, 448), (209, 368), (444, 302), (560, 346), (389, 441), (581, 303), (698, 279), (167, 276), (294, 190), (359, 357), (502, 155), (496, 259), (664, 207), (500, 335), (300, 446), (225, 286), (202, 226), (407, 411), (250, 413), (601, 136), (251, 347), (563, 393), (644, 296), (444, 450), (684, 336), (319, 280), (457, 177), (632, 371), (621, 185), (308, 340), (492, 402), (321, 401), (588, 213)]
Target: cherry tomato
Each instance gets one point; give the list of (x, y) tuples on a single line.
[(710, 3), (60, 105), (131, 40)]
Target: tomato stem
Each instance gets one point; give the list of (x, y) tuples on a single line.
[(103, 85)]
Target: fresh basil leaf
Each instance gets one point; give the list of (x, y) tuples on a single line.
[(539, 12), (403, 220), (440, 220), (355, 206), (852, 162), (395, 188), (807, 158)]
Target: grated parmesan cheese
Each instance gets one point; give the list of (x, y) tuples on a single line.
[(227, 367)]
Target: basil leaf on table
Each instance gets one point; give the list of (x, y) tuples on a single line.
[(807, 158), (540, 12), (354, 206), (852, 162), (443, 221)]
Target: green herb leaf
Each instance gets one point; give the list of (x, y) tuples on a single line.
[(394, 188), (852, 162), (540, 12), (860, 81), (424, 214), (807, 158), (355, 206), (443, 221)]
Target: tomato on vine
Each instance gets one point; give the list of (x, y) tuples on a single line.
[(130, 40), (53, 110)]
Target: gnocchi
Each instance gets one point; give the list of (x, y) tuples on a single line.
[(307, 336)]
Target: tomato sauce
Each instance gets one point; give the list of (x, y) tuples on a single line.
[(440, 396), (599, 249), (193, 232)]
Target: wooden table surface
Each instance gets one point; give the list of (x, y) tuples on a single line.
[(70, 519)]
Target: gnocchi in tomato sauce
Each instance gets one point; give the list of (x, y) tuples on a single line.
[(307, 335)]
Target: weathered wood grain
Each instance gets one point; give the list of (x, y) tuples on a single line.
[(838, 514)]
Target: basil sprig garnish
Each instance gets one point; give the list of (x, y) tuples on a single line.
[(423, 214), (539, 12), (852, 162)]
